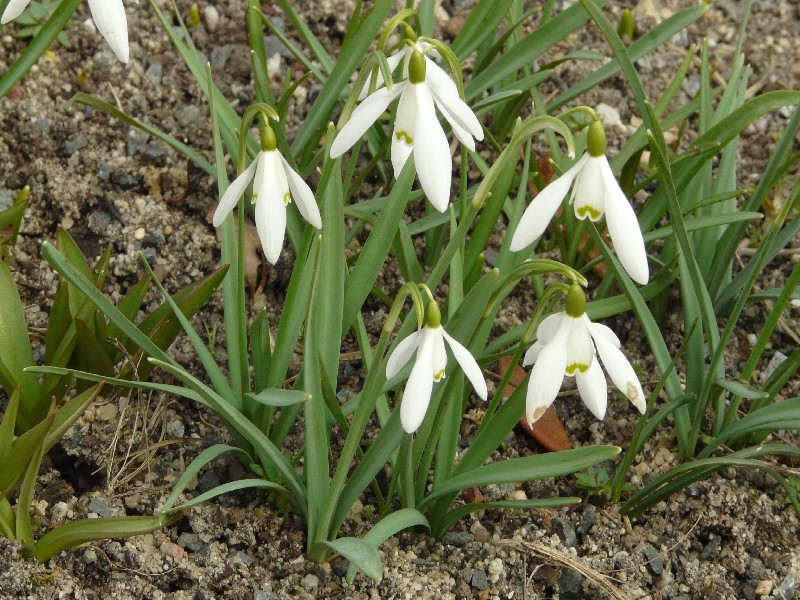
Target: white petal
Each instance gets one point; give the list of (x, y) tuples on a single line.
[(548, 327), (445, 92), (468, 364), (624, 229), (580, 351), (109, 17), (439, 361), (431, 151), (593, 389), (393, 61), (302, 194), (621, 372), (363, 117), (461, 134), (404, 129), (13, 10), (596, 329), (417, 394), (588, 193), (402, 353), (546, 376), (271, 190), (542, 208), (235, 191), (532, 354)]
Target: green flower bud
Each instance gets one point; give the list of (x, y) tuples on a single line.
[(626, 28), (268, 140), (596, 139), (416, 68), (576, 301), (433, 317)]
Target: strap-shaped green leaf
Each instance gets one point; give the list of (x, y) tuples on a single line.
[(357, 551)]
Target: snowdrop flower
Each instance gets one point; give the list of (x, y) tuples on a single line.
[(568, 344), (108, 15), (274, 185), (595, 192), (416, 126), (429, 366)]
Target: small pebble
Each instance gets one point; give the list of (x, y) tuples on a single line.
[(654, 564), (67, 223), (479, 579), (173, 550), (787, 587), (211, 17), (764, 587), (564, 529), (457, 538), (139, 233), (482, 535), (518, 495), (570, 585), (310, 582)]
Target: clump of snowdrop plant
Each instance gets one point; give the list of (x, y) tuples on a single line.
[(108, 15), (283, 366)]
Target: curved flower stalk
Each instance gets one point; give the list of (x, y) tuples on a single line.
[(274, 185), (416, 126), (595, 192), (108, 15), (429, 367), (568, 344)]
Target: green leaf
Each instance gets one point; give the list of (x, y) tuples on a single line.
[(387, 527), (88, 530), (528, 468), (481, 24), (360, 553), (7, 425), (459, 512), (23, 451), (129, 307), (278, 397), (741, 389), (781, 415), (70, 412), (226, 488)]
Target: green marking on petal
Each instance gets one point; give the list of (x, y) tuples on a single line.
[(402, 136), (254, 197), (588, 211), (438, 376), (287, 197), (576, 366)]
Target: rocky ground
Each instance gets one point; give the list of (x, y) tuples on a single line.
[(731, 536)]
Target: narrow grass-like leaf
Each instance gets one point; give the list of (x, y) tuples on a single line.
[(233, 486), (357, 551), (459, 512)]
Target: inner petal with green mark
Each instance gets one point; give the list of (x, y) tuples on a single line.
[(287, 198), (402, 136), (577, 366), (438, 376), (588, 211)]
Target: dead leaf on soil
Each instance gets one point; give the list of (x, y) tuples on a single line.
[(548, 431), (253, 258)]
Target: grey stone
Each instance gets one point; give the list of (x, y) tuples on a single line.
[(7, 198), (155, 72), (245, 558), (208, 481), (101, 220), (654, 564), (100, 507), (150, 255), (776, 361), (155, 150), (691, 85), (587, 519), (177, 429), (273, 46), (135, 141), (787, 588), (126, 180), (570, 585), (75, 143), (755, 570), (153, 239), (220, 56), (340, 567), (710, 548), (42, 124), (189, 116), (480, 580), (564, 529), (104, 171), (457, 538), (193, 543), (104, 57), (310, 582), (681, 38)]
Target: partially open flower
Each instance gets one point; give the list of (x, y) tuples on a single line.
[(274, 185), (416, 126), (429, 366), (568, 344), (595, 192), (108, 16)]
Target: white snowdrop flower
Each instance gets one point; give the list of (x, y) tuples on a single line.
[(416, 126), (595, 192), (429, 366), (274, 185), (568, 344), (108, 15)]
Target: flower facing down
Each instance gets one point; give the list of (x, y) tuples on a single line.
[(568, 344), (429, 366), (108, 16), (416, 126), (595, 192), (274, 185)]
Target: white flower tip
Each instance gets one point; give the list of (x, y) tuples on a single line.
[(219, 217)]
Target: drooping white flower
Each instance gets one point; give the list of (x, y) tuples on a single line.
[(416, 126), (568, 344), (595, 192), (429, 366), (274, 185), (108, 16)]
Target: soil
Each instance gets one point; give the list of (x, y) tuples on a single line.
[(733, 535)]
